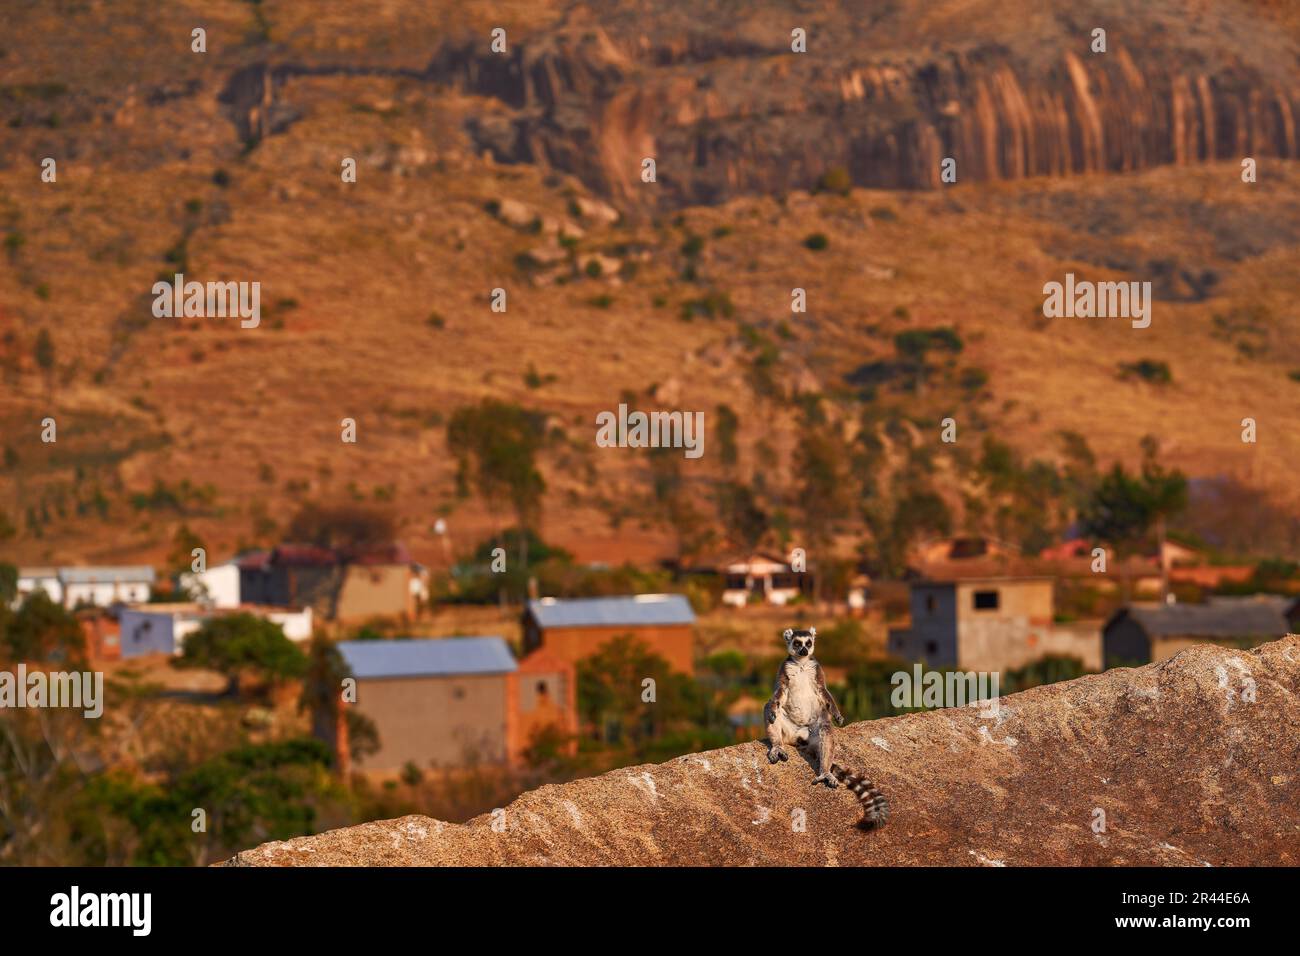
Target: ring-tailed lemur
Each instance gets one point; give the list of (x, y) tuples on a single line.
[(801, 712)]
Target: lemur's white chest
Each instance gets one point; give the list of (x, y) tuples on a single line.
[(803, 702)]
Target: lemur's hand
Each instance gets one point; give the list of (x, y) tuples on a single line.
[(839, 718)]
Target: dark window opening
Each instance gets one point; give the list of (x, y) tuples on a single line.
[(986, 600), (930, 603)]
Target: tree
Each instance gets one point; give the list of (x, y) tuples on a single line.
[(1123, 508), (8, 583), (495, 445), (242, 644), (44, 353), (268, 791), (668, 487), (1166, 494), (919, 511), (611, 687), (1117, 511), (181, 558), (40, 630), (825, 487), (344, 527), (322, 696), (745, 522), (914, 345), (728, 424)]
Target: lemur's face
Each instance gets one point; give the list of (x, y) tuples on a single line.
[(800, 643)]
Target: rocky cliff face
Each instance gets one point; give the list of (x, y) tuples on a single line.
[(885, 91), (1194, 761)]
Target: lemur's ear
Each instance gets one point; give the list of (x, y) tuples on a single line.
[(789, 633), (812, 632)]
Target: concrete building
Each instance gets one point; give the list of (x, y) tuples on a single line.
[(31, 580), (162, 628), (990, 624), (350, 587), (570, 630), (761, 578), (456, 701), (103, 587), (100, 628), (1143, 633), (88, 586), (217, 586)]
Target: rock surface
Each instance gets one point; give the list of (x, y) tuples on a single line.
[(1007, 88), (1194, 761)]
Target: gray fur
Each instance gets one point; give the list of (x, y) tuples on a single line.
[(803, 712)]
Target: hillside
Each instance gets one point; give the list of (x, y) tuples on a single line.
[(1188, 769), (375, 294)]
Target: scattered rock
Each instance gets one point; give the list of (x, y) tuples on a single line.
[(547, 255), (514, 213), (593, 210)]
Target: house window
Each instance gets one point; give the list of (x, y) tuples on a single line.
[(986, 600), (931, 647), (930, 603)]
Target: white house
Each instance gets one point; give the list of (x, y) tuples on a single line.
[(31, 580), (99, 586), (215, 587), (103, 587), (762, 578), (162, 628)]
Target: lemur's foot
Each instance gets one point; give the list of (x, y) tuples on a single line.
[(827, 778), (775, 754)]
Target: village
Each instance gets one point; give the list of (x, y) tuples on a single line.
[(443, 686)]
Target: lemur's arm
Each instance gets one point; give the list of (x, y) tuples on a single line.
[(782, 689), (824, 692)]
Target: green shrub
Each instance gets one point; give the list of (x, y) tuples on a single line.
[(1153, 371)]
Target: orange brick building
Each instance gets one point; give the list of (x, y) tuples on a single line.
[(570, 630), (450, 702)]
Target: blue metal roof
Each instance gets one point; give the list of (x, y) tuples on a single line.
[(426, 657), (106, 575), (636, 610)]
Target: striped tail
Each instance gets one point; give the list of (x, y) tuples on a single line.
[(875, 808)]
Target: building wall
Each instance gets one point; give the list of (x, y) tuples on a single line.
[(102, 637), (1031, 600), (314, 586), (220, 583), (375, 590), (674, 642), (1003, 644), (443, 720), (145, 632), (297, 625), (49, 584), (103, 594), (542, 693), (932, 636), (1125, 642)]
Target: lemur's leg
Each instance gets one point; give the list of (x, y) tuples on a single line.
[(779, 732), (822, 742)]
